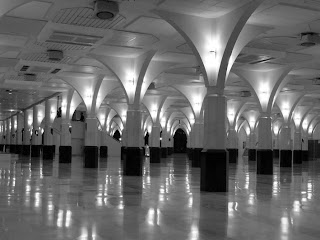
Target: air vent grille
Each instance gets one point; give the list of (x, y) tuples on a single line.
[(55, 71), (24, 68), (43, 57), (84, 17)]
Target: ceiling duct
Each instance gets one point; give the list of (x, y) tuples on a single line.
[(105, 9), (31, 77), (309, 39), (55, 55), (245, 94)]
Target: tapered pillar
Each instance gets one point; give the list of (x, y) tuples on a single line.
[(285, 145), (91, 143), (233, 145), (197, 143), (13, 136), (297, 152), (252, 151), (133, 162), (19, 133), (214, 159), (155, 153), (38, 115), (27, 132), (264, 152), (50, 113)]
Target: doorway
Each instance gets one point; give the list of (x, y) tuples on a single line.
[(180, 141)]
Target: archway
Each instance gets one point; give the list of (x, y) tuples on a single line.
[(180, 141), (117, 135)]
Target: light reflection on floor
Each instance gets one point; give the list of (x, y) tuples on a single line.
[(47, 200)]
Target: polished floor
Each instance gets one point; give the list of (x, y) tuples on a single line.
[(46, 200)]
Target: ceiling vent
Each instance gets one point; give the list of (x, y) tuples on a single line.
[(105, 9), (245, 94), (309, 39), (55, 55), (30, 77)]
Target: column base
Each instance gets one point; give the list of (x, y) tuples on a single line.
[(214, 171), (190, 153), (265, 161), (1, 147), (133, 163), (276, 153), (54, 149), (164, 152), (26, 150), (252, 154), (47, 153), (35, 150), (196, 157), (285, 158), (65, 154), (155, 155), (123, 153), (19, 149), (103, 151), (297, 157), (12, 148), (233, 155), (90, 157), (305, 155), (7, 148)]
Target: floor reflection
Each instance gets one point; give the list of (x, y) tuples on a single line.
[(47, 200)]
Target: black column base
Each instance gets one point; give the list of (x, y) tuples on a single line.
[(190, 153), (26, 150), (164, 152), (54, 149), (12, 148), (297, 157), (265, 161), (47, 153), (19, 149), (90, 157), (214, 171), (154, 155), (133, 163), (35, 150), (252, 154), (1, 147), (233, 155), (103, 151), (123, 152), (305, 155), (65, 154), (196, 158), (276, 153), (285, 158), (7, 148)]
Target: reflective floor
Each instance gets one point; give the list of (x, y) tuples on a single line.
[(45, 200)]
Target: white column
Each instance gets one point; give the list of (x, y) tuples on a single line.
[(19, 129), (265, 133), (155, 136), (65, 137), (252, 140), (36, 138), (198, 132), (91, 138), (48, 137), (233, 139), (26, 132), (285, 138), (13, 130), (134, 134), (214, 123), (297, 141)]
